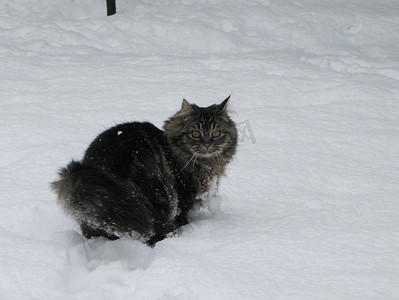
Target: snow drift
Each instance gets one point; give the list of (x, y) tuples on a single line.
[(309, 207)]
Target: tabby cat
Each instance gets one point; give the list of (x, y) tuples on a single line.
[(139, 181)]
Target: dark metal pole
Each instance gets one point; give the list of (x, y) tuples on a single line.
[(111, 7)]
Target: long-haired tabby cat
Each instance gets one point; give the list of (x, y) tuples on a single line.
[(139, 181)]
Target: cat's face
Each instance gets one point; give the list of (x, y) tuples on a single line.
[(202, 132)]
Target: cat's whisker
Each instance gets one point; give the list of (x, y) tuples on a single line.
[(196, 155), (220, 156), (185, 166), (217, 158), (171, 146)]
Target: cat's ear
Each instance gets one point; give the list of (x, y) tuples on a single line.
[(223, 106), (187, 108)]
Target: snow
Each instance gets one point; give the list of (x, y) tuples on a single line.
[(310, 204)]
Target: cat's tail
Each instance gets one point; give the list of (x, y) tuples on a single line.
[(101, 204), (66, 184)]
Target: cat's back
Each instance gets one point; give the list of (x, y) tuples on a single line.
[(121, 145)]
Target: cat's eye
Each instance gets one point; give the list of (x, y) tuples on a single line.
[(196, 134), (216, 133)]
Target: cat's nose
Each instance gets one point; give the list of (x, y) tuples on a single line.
[(207, 146)]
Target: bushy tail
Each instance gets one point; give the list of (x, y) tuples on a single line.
[(65, 185), (102, 205)]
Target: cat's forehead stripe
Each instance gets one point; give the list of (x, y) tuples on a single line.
[(206, 126)]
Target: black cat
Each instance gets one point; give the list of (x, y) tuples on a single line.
[(139, 181)]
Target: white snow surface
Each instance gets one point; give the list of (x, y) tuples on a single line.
[(310, 203)]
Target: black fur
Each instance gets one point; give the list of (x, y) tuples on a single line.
[(133, 181)]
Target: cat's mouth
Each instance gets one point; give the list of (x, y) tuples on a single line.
[(207, 153)]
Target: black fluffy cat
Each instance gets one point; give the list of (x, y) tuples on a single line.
[(137, 180)]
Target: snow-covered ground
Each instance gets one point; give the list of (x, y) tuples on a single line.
[(310, 204)]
